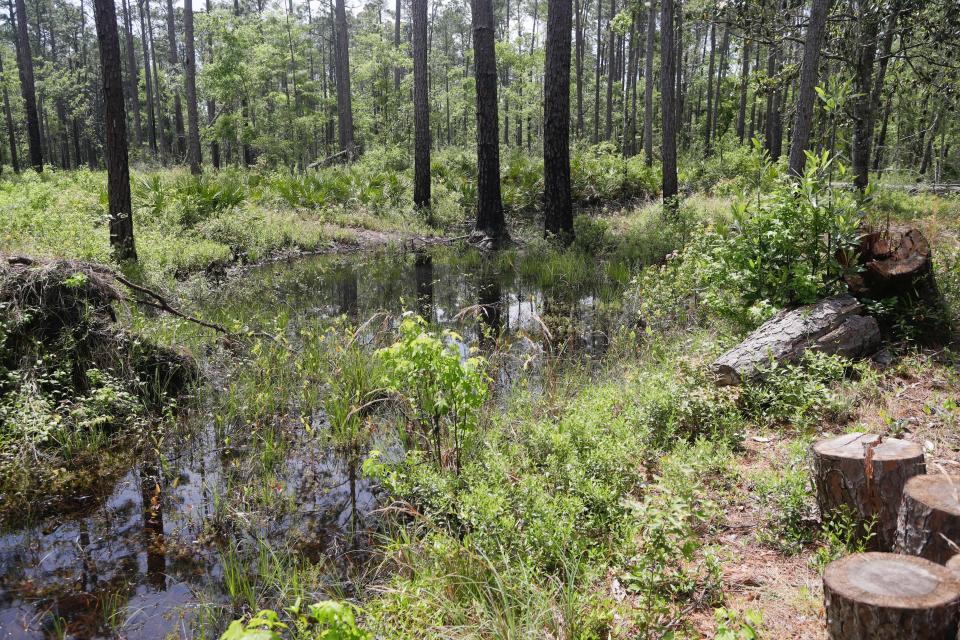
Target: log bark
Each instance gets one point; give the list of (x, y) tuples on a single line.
[(865, 474), (898, 263), (833, 325), (883, 596), (929, 521)]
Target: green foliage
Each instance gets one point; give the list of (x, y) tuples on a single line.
[(785, 246), (325, 620), (798, 395), (733, 625), (785, 495), (441, 393), (843, 533)]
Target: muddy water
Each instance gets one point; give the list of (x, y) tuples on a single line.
[(149, 561)]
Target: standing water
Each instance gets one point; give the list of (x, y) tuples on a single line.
[(159, 556)]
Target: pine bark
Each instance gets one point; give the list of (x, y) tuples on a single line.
[(344, 100), (668, 107), (928, 524), (708, 125), (174, 59), (864, 475), (611, 44), (11, 131), (862, 106), (190, 79), (883, 596), (744, 80), (115, 131), (558, 206), (648, 84), (148, 79), (133, 81), (490, 220), (212, 106), (808, 85), (27, 87), (421, 107)]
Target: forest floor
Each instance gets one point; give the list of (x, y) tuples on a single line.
[(613, 490)]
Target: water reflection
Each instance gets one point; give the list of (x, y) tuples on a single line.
[(144, 563)]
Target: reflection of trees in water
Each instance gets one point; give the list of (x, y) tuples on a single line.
[(152, 500), (346, 286), (423, 274), (490, 303)]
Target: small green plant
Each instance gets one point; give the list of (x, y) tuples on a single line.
[(325, 620), (440, 392), (843, 533), (786, 497), (734, 625)]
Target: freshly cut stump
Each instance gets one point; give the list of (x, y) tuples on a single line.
[(954, 565), (865, 474), (886, 596), (929, 521)]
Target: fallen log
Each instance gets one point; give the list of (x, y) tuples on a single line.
[(865, 475), (885, 596), (836, 325), (929, 521), (897, 264)]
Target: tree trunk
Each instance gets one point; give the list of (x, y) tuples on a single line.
[(708, 125), (558, 207), (190, 78), (832, 325), (668, 107), (11, 131), (344, 101), (608, 130), (744, 81), (212, 106), (148, 80), (884, 596), (928, 147), (929, 521), (578, 29), (864, 475), (490, 221), (133, 82), (630, 108), (648, 84), (175, 69), (862, 100), (596, 76), (421, 107), (115, 130), (27, 89), (396, 44), (774, 116), (808, 85)]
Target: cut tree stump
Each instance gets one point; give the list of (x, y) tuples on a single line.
[(929, 520), (954, 565), (832, 325), (885, 596), (865, 474), (898, 264)]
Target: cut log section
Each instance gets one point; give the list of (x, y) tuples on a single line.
[(954, 565), (833, 325), (865, 474), (885, 596), (898, 263), (929, 521)]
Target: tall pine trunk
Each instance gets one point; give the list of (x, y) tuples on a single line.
[(648, 84), (808, 85), (744, 81), (115, 131), (608, 130), (174, 59), (668, 105), (490, 220), (421, 108), (133, 81), (11, 131), (708, 125), (862, 100), (148, 80), (578, 29), (212, 106), (190, 79), (27, 88), (344, 102), (558, 207)]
